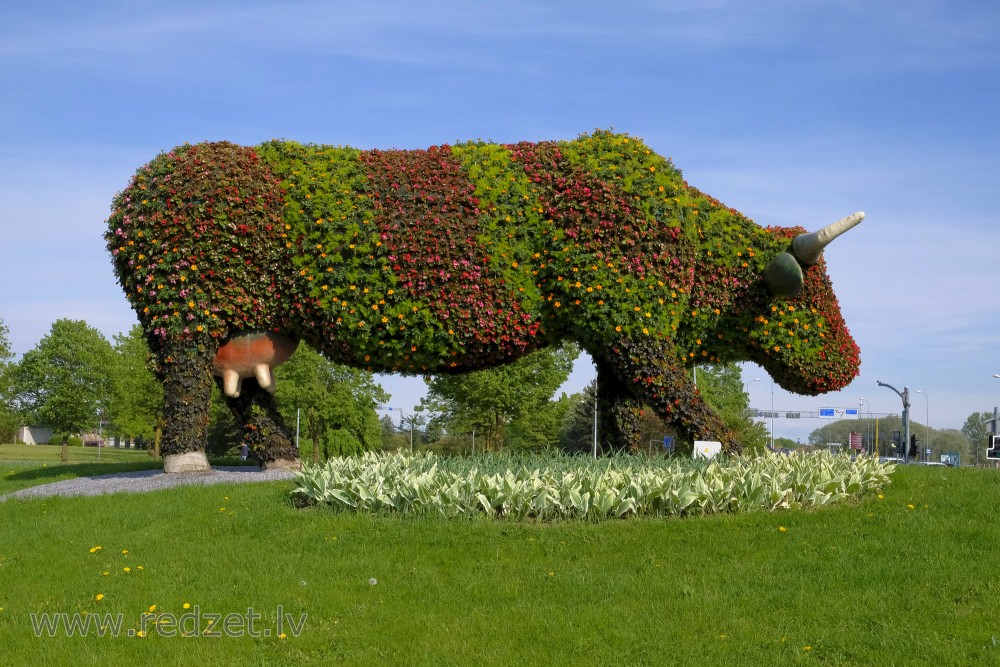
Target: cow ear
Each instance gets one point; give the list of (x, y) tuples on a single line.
[(783, 276)]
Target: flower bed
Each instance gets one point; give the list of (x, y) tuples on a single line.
[(551, 487)]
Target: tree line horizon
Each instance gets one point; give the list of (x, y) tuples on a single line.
[(513, 407)]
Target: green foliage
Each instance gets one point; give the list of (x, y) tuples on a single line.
[(540, 429), (9, 421), (137, 402), (976, 430), (6, 354), (65, 382), (721, 386), (552, 487), (496, 397), (336, 404)]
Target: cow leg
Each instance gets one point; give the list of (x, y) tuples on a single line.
[(186, 373), (658, 378), (618, 412), (262, 427)]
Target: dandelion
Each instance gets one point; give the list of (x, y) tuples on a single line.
[(372, 581), (126, 569), (105, 573), (152, 608), (99, 597), (910, 507), (186, 605), (282, 636), (124, 552), (807, 648), (782, 529)]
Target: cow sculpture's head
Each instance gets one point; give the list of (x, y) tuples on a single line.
[(800, 338)]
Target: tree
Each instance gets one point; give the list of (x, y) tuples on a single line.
[(336, 403), (138, 396), (721, 387), (8, 420), (540, 429), (64, 382), (495, 397), (577, 432), (977, 430), (952, 440), (785, 443)]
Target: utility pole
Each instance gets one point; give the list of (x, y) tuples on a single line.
[(905, 397)]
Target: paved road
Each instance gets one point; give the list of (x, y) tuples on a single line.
[(141, 481)]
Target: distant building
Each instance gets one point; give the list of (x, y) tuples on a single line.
[(33, 435)]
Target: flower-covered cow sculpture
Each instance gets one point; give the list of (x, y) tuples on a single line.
[(459, 258)]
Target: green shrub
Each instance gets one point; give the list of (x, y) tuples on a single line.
[(558, 486)]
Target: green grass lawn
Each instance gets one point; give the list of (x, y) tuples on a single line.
[(50, 454), (906, 579)]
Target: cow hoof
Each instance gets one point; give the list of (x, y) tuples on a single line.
[(186, 463), (282, 464)]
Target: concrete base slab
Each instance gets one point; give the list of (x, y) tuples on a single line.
[(186, 463)]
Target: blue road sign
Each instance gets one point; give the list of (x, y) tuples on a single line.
[(827, 412), (668, 442), (851, 412)]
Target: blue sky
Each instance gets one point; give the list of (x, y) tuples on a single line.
[(795, 112)]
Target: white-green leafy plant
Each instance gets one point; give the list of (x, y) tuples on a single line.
[(549, 487)]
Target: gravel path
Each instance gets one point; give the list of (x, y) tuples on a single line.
[(141, 481)]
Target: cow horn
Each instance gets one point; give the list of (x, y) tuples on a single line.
[(808, 247), (783, 276)]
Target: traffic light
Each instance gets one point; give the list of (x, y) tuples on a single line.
[(993, 451), (914, 444)]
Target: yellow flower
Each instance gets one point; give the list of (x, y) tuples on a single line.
[(782, 529), (186, 605), (126, 569), (99, 597), (152, 607)]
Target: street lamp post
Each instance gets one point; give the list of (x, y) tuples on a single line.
[(905, 397), (868, 425), (927, 422)]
